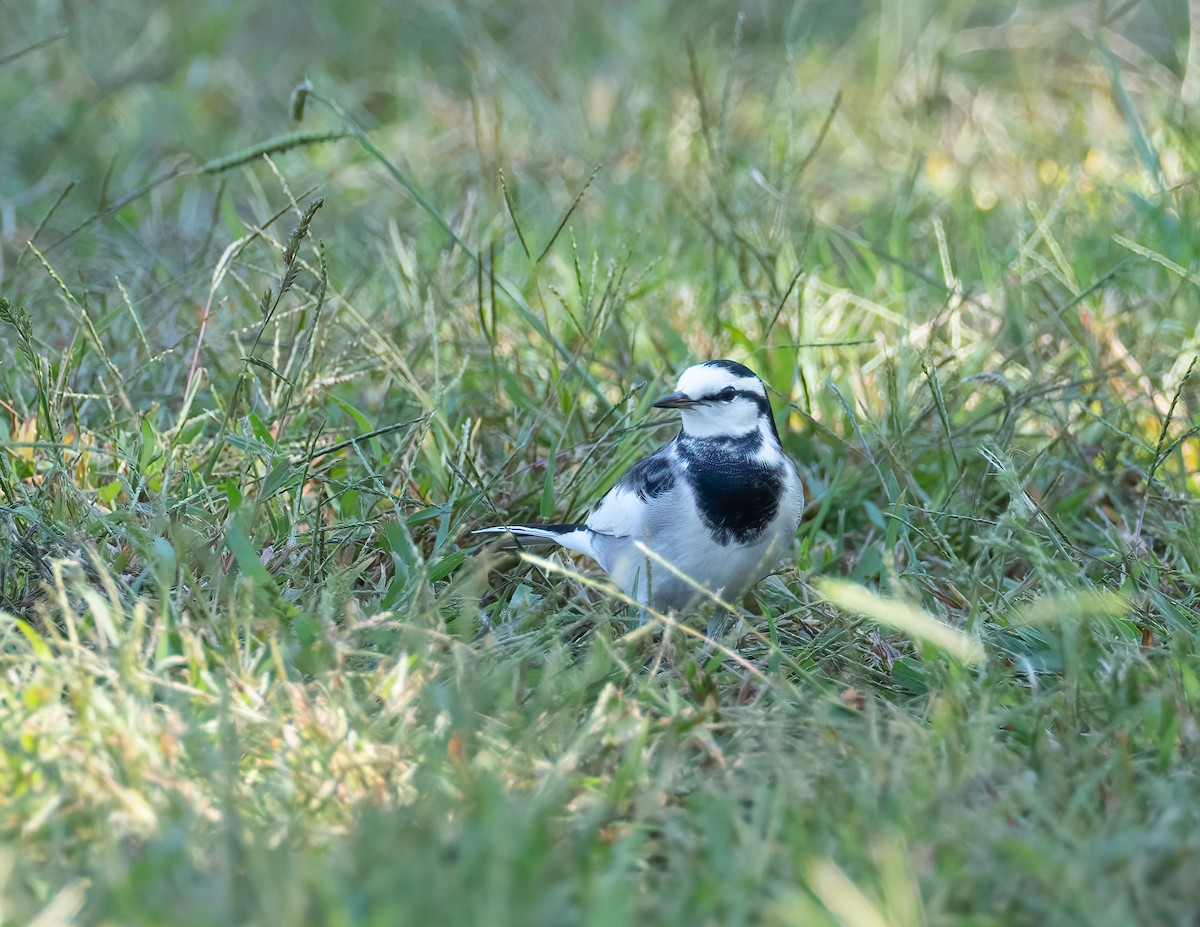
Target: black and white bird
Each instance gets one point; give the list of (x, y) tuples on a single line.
[(720, 502)]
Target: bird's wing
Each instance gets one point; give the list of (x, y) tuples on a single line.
[(623, 510)]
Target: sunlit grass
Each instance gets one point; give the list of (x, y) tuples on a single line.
[(268, 356)]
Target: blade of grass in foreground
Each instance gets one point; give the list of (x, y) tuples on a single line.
[(913, 621)]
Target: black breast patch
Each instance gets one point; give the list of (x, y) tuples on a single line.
[(737, 495)]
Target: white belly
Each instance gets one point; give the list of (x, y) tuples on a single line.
[(682, 540)]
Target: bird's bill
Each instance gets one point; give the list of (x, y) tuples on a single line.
[(677, 400)]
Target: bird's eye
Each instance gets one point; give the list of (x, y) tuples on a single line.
[(728, 394)]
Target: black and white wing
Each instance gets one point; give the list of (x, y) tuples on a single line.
[(625, 511)]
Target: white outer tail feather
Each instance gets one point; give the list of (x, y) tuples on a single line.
[(579, 540)]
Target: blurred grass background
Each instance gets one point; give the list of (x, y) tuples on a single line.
[(260, 374)]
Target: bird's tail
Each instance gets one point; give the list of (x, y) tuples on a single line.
[(526, 535), (573, 537)]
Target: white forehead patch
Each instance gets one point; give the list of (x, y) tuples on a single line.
[(705, 380)]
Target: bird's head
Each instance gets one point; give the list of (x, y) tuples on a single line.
[(721, 398)]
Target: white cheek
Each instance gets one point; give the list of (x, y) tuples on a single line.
[(768, 452), (733, 418)]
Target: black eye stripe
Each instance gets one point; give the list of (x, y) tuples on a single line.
[(728, 395)]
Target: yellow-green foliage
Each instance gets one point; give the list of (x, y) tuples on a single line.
[(295, 295)]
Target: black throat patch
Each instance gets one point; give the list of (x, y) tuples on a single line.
[(738, 495)]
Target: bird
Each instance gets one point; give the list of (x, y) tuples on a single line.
[(720, 502)]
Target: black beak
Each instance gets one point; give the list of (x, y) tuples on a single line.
[(676, 400)]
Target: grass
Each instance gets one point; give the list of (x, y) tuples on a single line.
[(260, 377)]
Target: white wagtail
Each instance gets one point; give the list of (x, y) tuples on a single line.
[(720, 503)]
